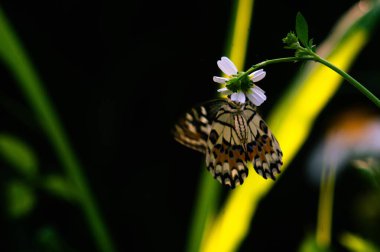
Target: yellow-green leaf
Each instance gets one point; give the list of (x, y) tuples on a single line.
[(356, 243), (20, 199), (59, 186), (302, 29), (18, 154)]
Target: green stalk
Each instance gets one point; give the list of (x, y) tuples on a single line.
[(16, 59), (207, 197), (315, 57), (275, 61), (209, 190), (350, 79), (325, 207)]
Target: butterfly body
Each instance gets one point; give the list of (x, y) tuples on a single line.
[(231, 135)]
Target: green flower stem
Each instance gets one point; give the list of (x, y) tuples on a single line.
[(315, 57), (350, 79), (274, 61)]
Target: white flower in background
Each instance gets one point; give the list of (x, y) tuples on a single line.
[(355, 135), (255, 94)]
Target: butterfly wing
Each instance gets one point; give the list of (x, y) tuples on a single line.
[(263, 149), (194, 128), (226, 157)]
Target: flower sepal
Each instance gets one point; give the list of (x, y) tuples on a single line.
[(241, 82), (233, 85), (245, 82)]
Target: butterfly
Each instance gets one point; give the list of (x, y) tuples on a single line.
[(230, 134)]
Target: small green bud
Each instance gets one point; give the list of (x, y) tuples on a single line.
[(291, 41)]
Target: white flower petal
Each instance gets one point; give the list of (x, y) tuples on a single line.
[(220, 80), (225, 91), (255, 99), (238, 97), (257, 89), (256, 96), (230, 64), (222, 89), (257, 75), (227, 66)]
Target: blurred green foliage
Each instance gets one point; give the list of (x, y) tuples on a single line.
[(20, 199), (19, 155)]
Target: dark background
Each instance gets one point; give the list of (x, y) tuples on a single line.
[(119, 75)]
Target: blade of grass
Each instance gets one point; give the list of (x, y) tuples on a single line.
[(237, 47), (356, 243), (209, 189), (16, 59), (325, 207), (204, 210)]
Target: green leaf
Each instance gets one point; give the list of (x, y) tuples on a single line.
[(356, 243), (311, 45), (20, 199), (302, 29), (18, 154), (59, 186)]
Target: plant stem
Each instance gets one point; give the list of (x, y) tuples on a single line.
[(275, 61), (350, 79), (325, 207), (206, 200), (315, 57)]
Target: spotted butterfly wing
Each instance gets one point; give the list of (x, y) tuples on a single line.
[(230, 134), (194, 128), (264, 150)]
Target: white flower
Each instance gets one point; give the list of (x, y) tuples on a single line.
[(354, 135), (255, 94)]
